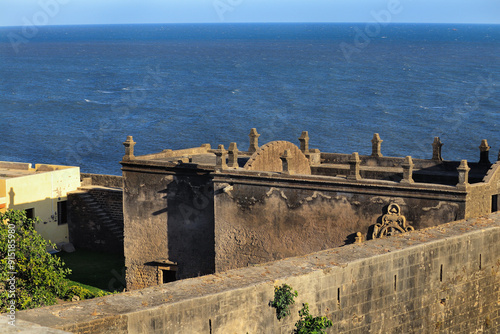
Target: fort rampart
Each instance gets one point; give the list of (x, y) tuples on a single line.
[(444, 279)]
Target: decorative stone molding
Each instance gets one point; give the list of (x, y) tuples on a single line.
[(220, 157), (254, 140), (393, 222), (484, 152), (129, 149), (376, 144), (233, 156), (436, 149), (304, 142), (354, 163), (463, 174), (407, 170), (286, 160)]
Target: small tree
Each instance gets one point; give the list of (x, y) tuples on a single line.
[(29, 276)]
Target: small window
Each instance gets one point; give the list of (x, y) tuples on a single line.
[(30, 213), (494, 203), (168, 276), (62, 213)]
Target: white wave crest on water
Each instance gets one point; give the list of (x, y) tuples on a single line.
[(96, 102)]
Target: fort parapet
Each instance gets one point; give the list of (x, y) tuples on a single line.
[(444, 279), (201, 210)]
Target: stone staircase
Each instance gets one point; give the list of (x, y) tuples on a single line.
[(115, 229)]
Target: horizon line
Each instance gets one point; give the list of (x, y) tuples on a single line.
[(258, 22)]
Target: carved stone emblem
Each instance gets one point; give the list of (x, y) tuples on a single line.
[(393, 222)]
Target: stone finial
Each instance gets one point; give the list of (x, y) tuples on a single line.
[(436, 149), (254, 140), (354, 163), (359, 238), (233, 156), (220, 157), (129, 149), (304, 142), (463, 174), (286, 160), (407, 170), (484, 152), (376, 144)]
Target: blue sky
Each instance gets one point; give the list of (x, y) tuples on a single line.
[(56, 12)]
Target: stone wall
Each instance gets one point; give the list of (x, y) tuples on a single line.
[(111, 181), (439, 280), (110, 200), (167, 217), (95, 219), (260, 219)]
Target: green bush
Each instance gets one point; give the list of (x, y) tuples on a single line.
[(283, 298), (308, 324), (83, 293), (29, 276)]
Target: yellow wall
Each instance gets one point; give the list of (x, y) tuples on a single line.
[(42, 191)]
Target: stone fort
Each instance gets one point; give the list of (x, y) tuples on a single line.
[(237, 223), (201, 210)]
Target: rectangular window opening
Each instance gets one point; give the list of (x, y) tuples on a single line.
[(62, 213), (338, 296), (441, 274), (395, 282), (168, 276), (480, 262), (494, 203), (30, 213)]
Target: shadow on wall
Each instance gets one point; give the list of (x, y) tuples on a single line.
[(190, 225)]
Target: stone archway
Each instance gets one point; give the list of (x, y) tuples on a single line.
[(267, 158)]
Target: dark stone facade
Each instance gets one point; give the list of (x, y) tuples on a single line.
[(95, 219)]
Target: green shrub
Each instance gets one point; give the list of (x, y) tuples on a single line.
[(308, 324), (283, 298), (29, 276)]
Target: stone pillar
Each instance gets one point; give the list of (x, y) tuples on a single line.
[(254, 140), (286, 160), (233, 156), (220, 157), (407, 170), (484, 152), (129, 149), (354, 163), (304, 142), (376, 144), (463, 174), (436, 149)]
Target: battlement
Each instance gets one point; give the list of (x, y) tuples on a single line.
[(336, 165)]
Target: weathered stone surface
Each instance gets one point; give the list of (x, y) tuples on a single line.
[(444, 279), (267, 158), (25, 327), (264, 212), (376, 146), (167, 217), (95, 218)]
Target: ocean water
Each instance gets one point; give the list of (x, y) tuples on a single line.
[(71, 94)]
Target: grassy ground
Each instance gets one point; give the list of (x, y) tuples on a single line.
[(94, 270)]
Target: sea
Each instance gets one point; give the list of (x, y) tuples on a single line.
[(71, 95)]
